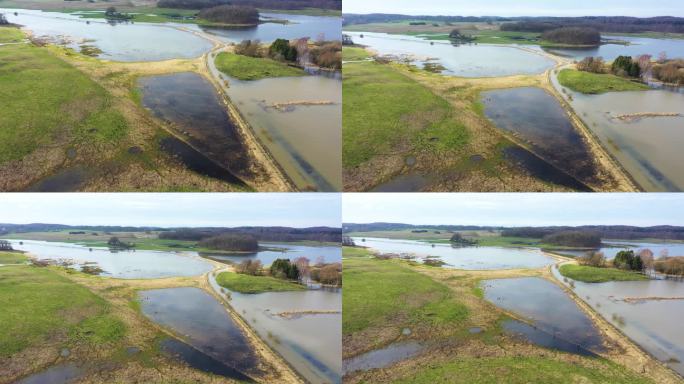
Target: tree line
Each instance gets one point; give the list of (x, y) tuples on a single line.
[(262, 4), (325, 234), (614, 24), (231, 242), (573, 35), (580, 239), (300, 269), (231, 14)]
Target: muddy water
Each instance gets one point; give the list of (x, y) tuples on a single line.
[(119, 42), (204, 323), (655, 325), (311, 343), (648, 148), (531, 298), (384, 357), (480, 60), (191, 103), (325, 254), (306, 140), (298, 26), (472, 258), (537, 118), (638, 46), (120, 264)]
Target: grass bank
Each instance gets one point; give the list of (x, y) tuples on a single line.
[(252, 68), (44, 98), (379, 293), (354, 54), (589, 274), (386, 112), (594, 83), (255, 284), (10, 35), (522, 370), (12, 258), (40, 306)]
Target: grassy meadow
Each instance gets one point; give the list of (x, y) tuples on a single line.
[(595, 83), (10, 35), (253, 68), (12, 258), (589, 274), (255, 284)]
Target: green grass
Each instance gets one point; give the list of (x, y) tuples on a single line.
[(379, 290), (10, 35), (589, 274), (521, 370), (39, 304), (255, 284), (594, 83), (43, 97), (383, 110), (12, 258), (354, 54), (252, 68)]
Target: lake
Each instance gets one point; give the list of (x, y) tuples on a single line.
[(134, 264), (612, 247), (648, 148), (119, 42), (531, 298), (481, 60), (655, 325), (472, 258), (306, 140), (298, 26), (311, 343), (325, 254), (537, 118), (637, 46)]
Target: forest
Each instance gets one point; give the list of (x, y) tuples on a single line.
[(573, 35), (231, 14), (584, 239), (614, 24), (231, 241), (324, 234)]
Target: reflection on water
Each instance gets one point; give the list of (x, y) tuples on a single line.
[(384, 357), (537, 118), (311, 343), (638, 46), (298, 26), (649, 148), (541, 169), (612, 247), (273, 251), (539, 337), (119, 42), (203, 321), (132, 264), (465, 60), (473, 258), (199, 360), (305, 140), (655, 325), (192, 104), (531, 298)]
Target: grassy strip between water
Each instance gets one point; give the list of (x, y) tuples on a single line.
[(589, 274), (354, 54), (43, 98), (521, 370), (10, 35), (253, 68), (595, 83), (255, 284), (378, 291), (12, 258), (385, 111), (39, 306)]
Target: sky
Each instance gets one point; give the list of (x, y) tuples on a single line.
[(638, 8), (173, 209), (515, 209)]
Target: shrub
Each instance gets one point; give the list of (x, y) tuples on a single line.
[(284, 269), (249, 267), (281, 49)]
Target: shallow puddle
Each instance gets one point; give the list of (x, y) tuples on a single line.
[(58, 374), (65, 180), (411, 182), (384, 357), (204, 322), (541, 169), (531, 298), (199, 360), (537, 118), (539, 337), (196, 161)]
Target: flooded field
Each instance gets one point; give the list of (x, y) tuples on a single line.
[(612, 247), (311, 342), (325, 254), (204, 322), (541, 169), (648, 312), (648, 147), (536, 117), (384, 357), (118, 42), (296, 27), (306, 145), (637, 46), (134, 264), (480, 60), (472, 258), (531, 298), (190, 102)]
